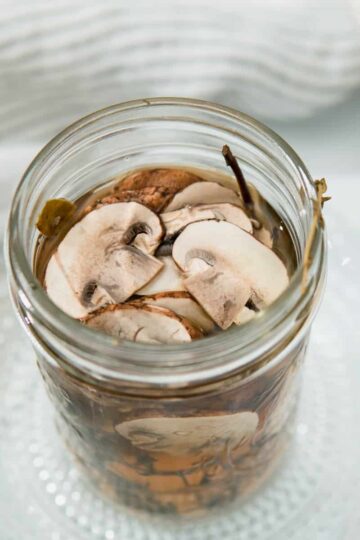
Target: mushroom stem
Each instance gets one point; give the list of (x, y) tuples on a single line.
[(233, 164), (320, 187)]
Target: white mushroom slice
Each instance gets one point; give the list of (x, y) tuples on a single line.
[(225, 267), (221, 293), (203, 193), (184, 435), (244, 316), (143, 323), (182, 304), (60, 290), (178, 219), (168, 279), (105, 257)]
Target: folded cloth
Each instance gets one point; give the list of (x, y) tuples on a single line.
[(277, 59)]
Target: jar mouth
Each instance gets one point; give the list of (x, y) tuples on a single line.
[(104, 356)]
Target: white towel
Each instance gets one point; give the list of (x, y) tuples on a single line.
[(279, 59)]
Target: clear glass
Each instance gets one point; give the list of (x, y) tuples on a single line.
[(170, 428)]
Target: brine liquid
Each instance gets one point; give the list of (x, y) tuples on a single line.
[(282, 243), (179, 454)]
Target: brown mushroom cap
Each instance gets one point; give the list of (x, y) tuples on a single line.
[(181, 303), (226, 266), (203, 192), (177, 220), (153, 187), (143, 323), (105, 257)]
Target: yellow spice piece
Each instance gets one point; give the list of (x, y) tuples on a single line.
[(55, 213)]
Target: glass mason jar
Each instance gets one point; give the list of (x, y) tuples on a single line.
[(170, 428)]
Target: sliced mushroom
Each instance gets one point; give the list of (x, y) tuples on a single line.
[(143, 323), (168, 279), (222, 293), (105, 257), (244, 315), (203, 192), (178, 219), (225, 266), (60, 291), (153, 187), (184, 435), (182, 304)]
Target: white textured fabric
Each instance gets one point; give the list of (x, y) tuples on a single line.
[(272, 58)]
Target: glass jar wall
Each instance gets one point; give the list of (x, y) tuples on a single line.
[(171, 428)]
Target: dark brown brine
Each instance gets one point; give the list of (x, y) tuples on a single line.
[(267, 227), (184, 451)]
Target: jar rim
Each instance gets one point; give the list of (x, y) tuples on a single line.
[(175, 364)]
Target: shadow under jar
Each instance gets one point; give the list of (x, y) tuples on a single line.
[(170, 428)]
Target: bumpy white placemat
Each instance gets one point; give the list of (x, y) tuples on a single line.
[(313, 497)]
